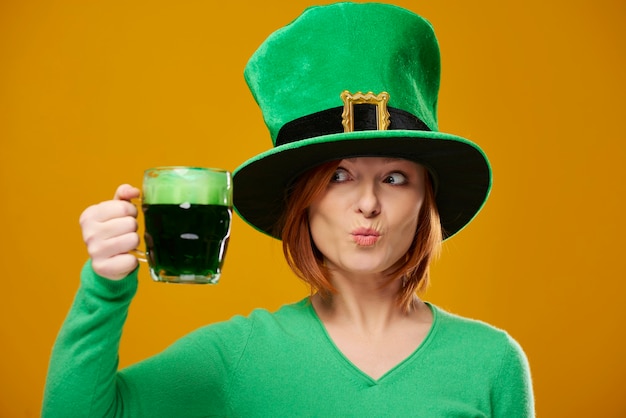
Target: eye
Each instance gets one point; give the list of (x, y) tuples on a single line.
[(340, 176), (395, 178)]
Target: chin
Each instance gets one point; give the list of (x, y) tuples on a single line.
[(362, 268)]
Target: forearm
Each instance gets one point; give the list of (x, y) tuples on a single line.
[(82, 372)]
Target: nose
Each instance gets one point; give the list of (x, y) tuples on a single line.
[(368, 202)]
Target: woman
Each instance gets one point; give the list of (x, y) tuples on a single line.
[(361, 188)]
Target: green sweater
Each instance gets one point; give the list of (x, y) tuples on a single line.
[(280, 364)]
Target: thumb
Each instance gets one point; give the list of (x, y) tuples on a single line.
[(126, 192)]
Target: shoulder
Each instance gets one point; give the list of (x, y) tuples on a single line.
[(492, 356), (469, 330), (240, 327), (477, 342), (293, 312)]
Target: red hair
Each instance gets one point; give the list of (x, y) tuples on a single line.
[(308, 263)]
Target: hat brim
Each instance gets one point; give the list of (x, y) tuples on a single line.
[(459, 168)]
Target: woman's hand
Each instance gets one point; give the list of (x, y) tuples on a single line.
[(110, 232)]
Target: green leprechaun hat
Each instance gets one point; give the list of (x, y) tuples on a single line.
[(349, 80)]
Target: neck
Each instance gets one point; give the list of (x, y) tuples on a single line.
[(365, 304)]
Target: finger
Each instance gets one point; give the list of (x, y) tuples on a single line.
[(115, 268), (108, 229), (103, 249), (126, 192), (105, 211)]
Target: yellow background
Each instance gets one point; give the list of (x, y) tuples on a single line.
[(91, 93)]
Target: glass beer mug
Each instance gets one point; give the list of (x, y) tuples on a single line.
[(187, 215)]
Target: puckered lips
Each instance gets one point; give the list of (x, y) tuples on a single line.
[(365, 237)]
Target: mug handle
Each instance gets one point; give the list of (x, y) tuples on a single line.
[(139, 255)]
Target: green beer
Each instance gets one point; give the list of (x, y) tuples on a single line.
[(188, 215)]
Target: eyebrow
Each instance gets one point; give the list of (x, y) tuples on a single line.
[(385, 159)]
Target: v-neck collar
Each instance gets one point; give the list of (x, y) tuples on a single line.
[(389, 373)]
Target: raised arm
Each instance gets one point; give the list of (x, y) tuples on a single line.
[(83, 365)]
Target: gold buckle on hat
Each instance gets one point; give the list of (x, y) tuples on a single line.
[(380, 100)]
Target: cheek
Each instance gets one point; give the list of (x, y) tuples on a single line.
[(407, 230), (408, 222), (320, 228), (327, 224)]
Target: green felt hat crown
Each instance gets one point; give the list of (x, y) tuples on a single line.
[(348, 80)]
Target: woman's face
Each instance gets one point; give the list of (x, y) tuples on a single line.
[(366, 219)]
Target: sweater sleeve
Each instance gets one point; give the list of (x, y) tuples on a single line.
[(190, 378), (83, 364), (513, 394)]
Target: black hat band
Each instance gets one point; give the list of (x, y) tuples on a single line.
[(329, 121)]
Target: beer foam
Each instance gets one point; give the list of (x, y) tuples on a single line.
[(187, 185)]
